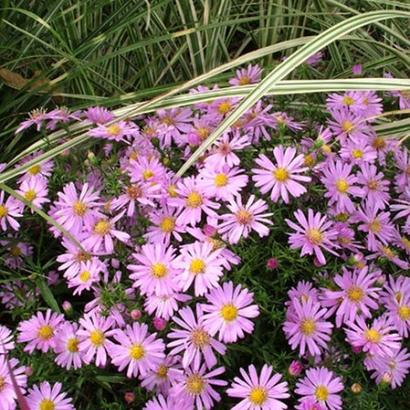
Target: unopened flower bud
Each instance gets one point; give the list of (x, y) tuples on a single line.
[(28, 371), (67, 307), (272, 263), (295, 368), (135, 314), (356, 388), (209, 230), (159, 323), (129, 397)]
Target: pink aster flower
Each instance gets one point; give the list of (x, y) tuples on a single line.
[(281, 119), (340, 184), (196, 387), (156, 270), (116, 132), (137, 349), (88, 275), (193, 340), (34, 191), (303, 291), (9, 211), (8, 392), (261, 392), (98, 115), (378, 338), (350, 101), (164, 306), (356, 294), (228, 312), (146, 170), (314, 233), (358, 152), (66, 349), (36, 117), (244, 76), (42, 169), (281, 178), (321, 386), (200, 265), (357, 69), (244, 219), (175, 122), (46, 396), (39, 331), (93, 335), (307, 328), (6, 340), (167, 403), (346, 125)]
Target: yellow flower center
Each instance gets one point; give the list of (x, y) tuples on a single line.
[(3, 211), (357, 154), (162, 371), (342, 185), (347, 100), (197, 266), (309, 160), (373, 185), (405, 93), (258, 396), (147, 174), (113, 130), (379, 143), (221, 180), (224, 107), (84, 276), (46, 404), (375, 226), (45, 332), (372, 335), (229, 312), (80, 208), (2, 383), (307, 327), (159, 270), (326, 149), (30, 195), (281, 174), (137, 352), (194, 200), (199, 338), (406, 242), (15, 251), (244, 80), (404, 312), (195, 384), (97, 338), (355, 294), (388, 253), (243, 217), (34, 170), (314, 236), (347, 126), (172, 192), (167, 224), (72, 345), (82, 257), (167, 120), (321, 393), (134, 191), (102, 227), (203, 133)]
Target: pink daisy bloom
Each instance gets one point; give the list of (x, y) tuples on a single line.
[(259, 392), (350, 101), (322, 386), (66, 349), (402, 205), (307, 328), (340, 185), (379, 338), (167, 403), (164, 306), (315, 59), (358, 152), (223, 106), (46, 396), (156, 270), (200, 265), (98, 115), (34, 191), (146, 170), (36, 117), (193, 340), (175, 122), (314, 233), (346, 125), (281, 178), (39, 331), (303, 292), (8, 392), (39, 170), (137, 349), (93, 335), (244, 219), (372, 104), (228, 312), (356, 295), (89, 274), (195, 386), (281, 119), (6, 340), (9, 210), (244, 76), (115, 132)]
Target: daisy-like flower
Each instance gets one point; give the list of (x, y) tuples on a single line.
[(10, 209), (372, 105), (346, 125), (340, 186), (167, 403), (48, 397), (98, 115), (7, 391), (322, 386), (6, 340), (283, 177), (244, 219), (93, 335), (155, 271), (351, 101), (262, 392), (115, 132), (200, 265), (244, 76), (137, 349), (379, 338), (402, 205), (42, 169), (146, 170), (195, 386), (356, 294), (358, 152), (39, 331), (88, 275), (307, 329), (228, 312), (193, 340), (164, 306), (34, 191), (283, 120), (175, 122), (66, 349), (314, 233)]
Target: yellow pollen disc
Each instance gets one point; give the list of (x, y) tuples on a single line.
[(162, 371), (229, 312), (102, 227), (2, 383), (46, 404), (167, 121), (405, 93), (357, 154), (388, 253), (84, 276), (307, 327), (159, 270), (347, 126), (79, 208), (137, 352), (244, 217), (45, 332), (373, 185), (167, 224), (133, 155), (379, 143), (34, 170), (203, 133), (82, 257), (113, 129), (355, 294), (347, 100), (404, 312), (30, 195), (134, 191), (321, 393), (326, 149), (372, 335), (281, 174), (406, 242), (194, 200), (224, 107), (199, 338), (342, 185), (3, 211), (375, 226), (216, 243), (258, 396), (147, 174), (72, 345), (244, 80), (172, 191), (197, 266), (15, 251), (314, 236), (195, 384), (221, 180), (97, 338), (309, 160)]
